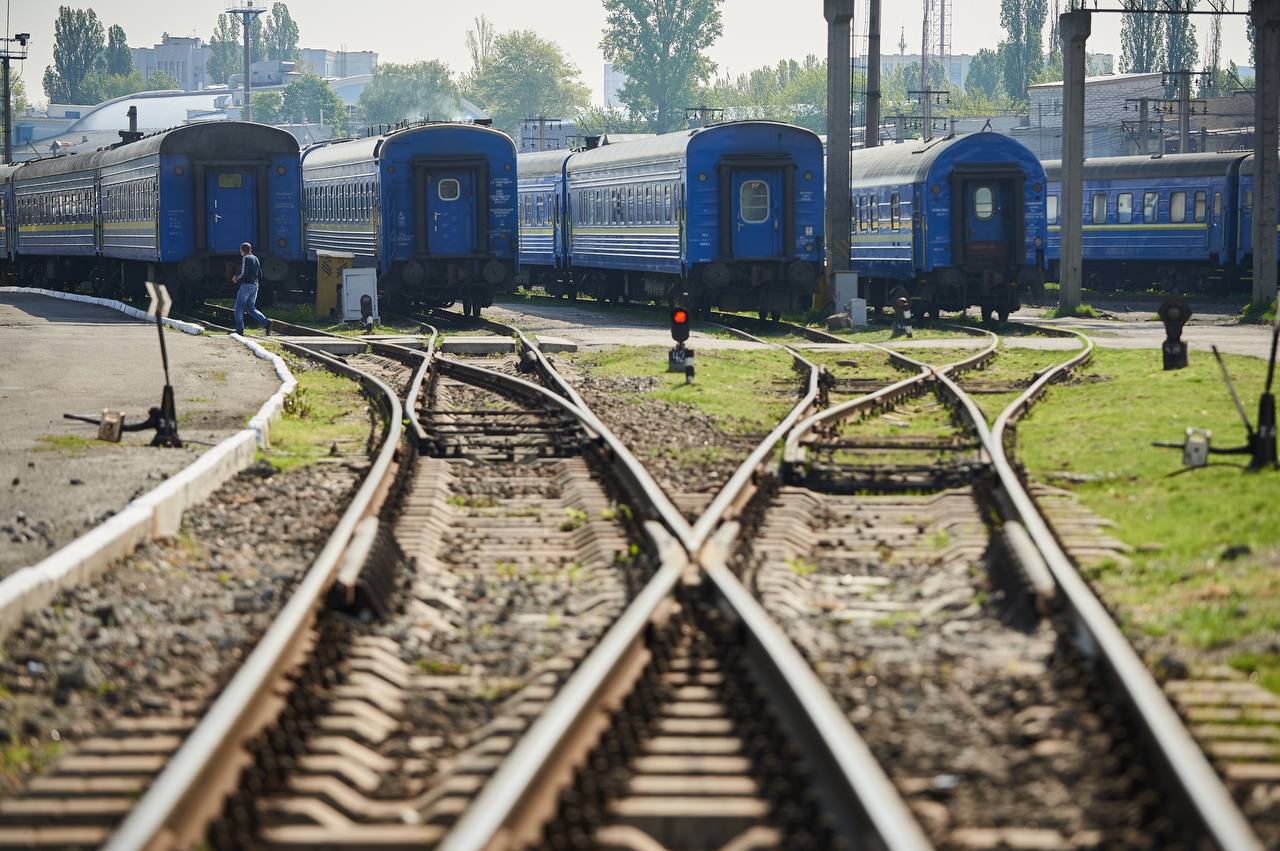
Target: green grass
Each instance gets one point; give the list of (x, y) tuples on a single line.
[(1259, 314), (884, 334), (870, 364), (324, 410), (71, 445), (1080, 311), (1205, 541), (18, 759), (747, 391)]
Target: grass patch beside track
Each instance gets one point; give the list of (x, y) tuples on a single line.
[(325, 411), (1202, 578), (739, 387)]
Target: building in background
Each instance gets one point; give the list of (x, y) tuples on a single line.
[(613, 83), (957, 69), (187, 59), (338, 63), (1112, 109)]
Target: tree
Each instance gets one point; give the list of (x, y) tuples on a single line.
[(225, 56), (599, 120), (1022, 53), (268, 108), (280, 35), (658, 45), (527, 76), (18, 93), (77, 47), (480, 45), (399, 92), (119, 60), (791, 91), (1180, 50), (984, 74), (162, 80), (1142, 38), (310, 99), (1212, 84), (226, 48)]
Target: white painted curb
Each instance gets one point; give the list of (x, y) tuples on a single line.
[(110, 303), (155, 514)]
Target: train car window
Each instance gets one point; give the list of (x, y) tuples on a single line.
[(230, 180), (1051, 209), (1099, 208), (539, 214), (668, 213), (984, 203), (632, 215), (1217, 205), (1178, 207), (754, 200), (1124, 208), (1202, 203), (448, 189), (1151, 207), (875, 213), (1248, 201), (895, 211)]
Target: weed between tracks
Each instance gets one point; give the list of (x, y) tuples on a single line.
[(324, 413), (1202, 576), (737, 387)]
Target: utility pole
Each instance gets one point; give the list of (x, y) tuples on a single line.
[(1075, 27), (839, 15), (873, 75), (1266, 139), (7, 54), (1144, 126), (1184, 113), (926, 108), (248, 10)]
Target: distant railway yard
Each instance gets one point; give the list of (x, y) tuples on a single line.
[(538, 579)]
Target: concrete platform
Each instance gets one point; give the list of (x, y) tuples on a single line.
[(328, 345), (556, 345), (492, 345), (56, 480)]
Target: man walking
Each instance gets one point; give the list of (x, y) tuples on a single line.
[(247, 295)]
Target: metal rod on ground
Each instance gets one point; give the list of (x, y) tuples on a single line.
[(1266, 122), (839, 15), (873, 75), (1075, 27)]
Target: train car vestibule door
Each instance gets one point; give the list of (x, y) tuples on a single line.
[(757, 213), (451, 212), (232, 212), (988, 214)]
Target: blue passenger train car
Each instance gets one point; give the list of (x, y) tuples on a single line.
[(8, 222), (172, 208), (431, 207), (731, 215), (1170, 221), (544, 249), (1244, 217), (951, 223)]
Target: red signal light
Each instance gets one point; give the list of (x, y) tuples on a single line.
[(679, 324)]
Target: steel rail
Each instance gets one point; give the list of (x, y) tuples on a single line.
[(638, 478), (850, 772), (1099, 637), (179, 804), (501, 816)]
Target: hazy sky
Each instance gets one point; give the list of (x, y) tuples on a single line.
[(756, 32)]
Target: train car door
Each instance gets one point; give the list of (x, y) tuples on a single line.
[(232, 212), (988, 219), (451, 212), (757, 212)]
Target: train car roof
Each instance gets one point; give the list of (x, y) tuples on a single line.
[(542, 163), (668, 145), (7, 171), (1171, 165), (65, 164), (212, 138), (910, 162), (344, 151)]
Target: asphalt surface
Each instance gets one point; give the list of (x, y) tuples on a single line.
[(56, 480)]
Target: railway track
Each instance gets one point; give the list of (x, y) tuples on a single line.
[(546, 652)]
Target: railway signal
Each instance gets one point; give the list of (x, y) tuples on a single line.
[(680, 359), (1174, 313)]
